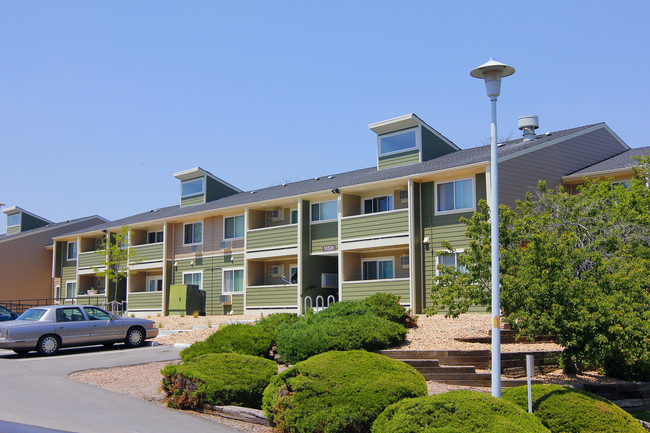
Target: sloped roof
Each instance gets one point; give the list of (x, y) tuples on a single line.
[(459, 158), (58, 227), (621, 161)]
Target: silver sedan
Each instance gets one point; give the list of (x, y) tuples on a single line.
[(47, 329)]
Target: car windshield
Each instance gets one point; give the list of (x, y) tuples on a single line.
[(32, 314)]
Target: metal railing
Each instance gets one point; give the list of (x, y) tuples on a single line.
[(20, 305)]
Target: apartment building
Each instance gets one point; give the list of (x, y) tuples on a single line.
[(342, 236)]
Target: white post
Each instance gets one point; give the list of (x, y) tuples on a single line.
[(494, 222), (530, 365)]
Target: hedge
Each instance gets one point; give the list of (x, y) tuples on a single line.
[(380, 304), (563, 409), (338, 392), (313, 335), (218, 379), (237, 338), (457, 412)]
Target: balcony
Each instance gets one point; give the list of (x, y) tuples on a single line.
[(89, 260), (324, 237), (272, 296), (148, 252), (375, 225), (272, 238), (353, 290), (145, 301)]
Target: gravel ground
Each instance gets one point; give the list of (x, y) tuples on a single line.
[(433, 333)]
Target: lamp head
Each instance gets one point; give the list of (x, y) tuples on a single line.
[(492, 72)]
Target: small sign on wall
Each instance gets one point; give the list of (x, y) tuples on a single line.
[(329, 247)]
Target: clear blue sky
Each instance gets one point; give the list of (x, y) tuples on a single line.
[(101, 102)]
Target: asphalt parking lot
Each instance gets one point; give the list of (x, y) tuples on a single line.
[(37, 393)]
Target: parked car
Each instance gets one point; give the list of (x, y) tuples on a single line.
[(6, 314), (47, 329)]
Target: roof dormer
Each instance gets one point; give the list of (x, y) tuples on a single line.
[(199, 186), (407, 140), (19, 220)]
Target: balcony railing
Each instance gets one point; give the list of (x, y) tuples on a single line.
[(90, 259), (149, 252), (375, 225), (145, 301), (353, 290), (285, 295), (272, 237)]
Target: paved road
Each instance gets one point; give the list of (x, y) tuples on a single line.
[(36, 391)]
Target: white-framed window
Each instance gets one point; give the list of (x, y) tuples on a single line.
[(155, 237), (233, 227), (400, 141), (70, 289), (71, 253), (192, 187), (233, 281), (404, 261), (193, 233), (326, 210), (377, 269), (455, 196), (195, 278), (13, 220), (276, 270), (378, 204), (124, 243), (294, 216), (293, 274), (154, 284), (451, 259)]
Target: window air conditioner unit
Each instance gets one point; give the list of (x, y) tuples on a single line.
[(225, 245), (276, 270), (404, 260), (196, 249), (404, 195), (226, 299), (329, 281), (276, 214)]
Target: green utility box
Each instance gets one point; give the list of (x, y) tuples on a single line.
[(185, 299)]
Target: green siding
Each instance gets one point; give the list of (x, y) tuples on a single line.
[(324, 234), (237, 306), (398, 159), (433, 146), (415, 262), (90, 259), (361, 290), (212, 275), (58, 259), (442, 227), (96, 300), (148, 252), (13, 230), (216, 190), (273, 296), (272, 237), (193, 200), (68, 273), (145, 301), (373, 225)]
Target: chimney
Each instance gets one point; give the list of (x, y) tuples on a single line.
[(528, 124)]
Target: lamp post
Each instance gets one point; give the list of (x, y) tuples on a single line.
[(492, 72)]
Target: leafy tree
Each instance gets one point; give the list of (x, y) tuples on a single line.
[(116, 255), (575, 266)]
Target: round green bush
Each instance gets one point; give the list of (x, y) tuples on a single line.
[(456, 412), (273, 322), (218, 379), (238, 338), (338, 392), (563, 409), (380, 304), (311, 335)]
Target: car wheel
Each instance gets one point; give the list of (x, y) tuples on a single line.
[(48, 345), (135, 337), (21, 351)]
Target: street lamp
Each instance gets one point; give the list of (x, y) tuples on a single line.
[(492, 72)]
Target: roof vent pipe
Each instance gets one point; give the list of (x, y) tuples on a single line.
[(528, 124)]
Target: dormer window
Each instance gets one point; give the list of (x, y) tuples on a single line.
[(192, 187), (13, 220), (398, 142)]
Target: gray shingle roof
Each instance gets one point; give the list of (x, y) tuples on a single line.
[(619, 162), (340, 180), (51, 227)]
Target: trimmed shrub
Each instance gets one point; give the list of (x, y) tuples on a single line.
[(237, 338), (458, 412), (563, 409), (273, 323), (380, 304), (313, 335), (338, 392), (218, 379)]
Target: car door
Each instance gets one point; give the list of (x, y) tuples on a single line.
[(72, 326), (103, 327)]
